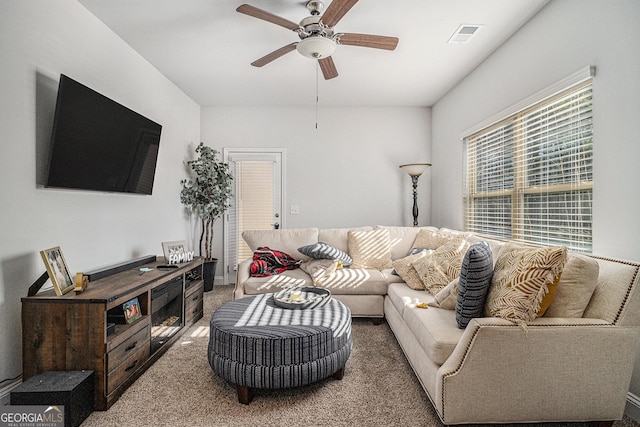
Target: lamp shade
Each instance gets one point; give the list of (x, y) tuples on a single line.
[(316, 47), (415, 169)]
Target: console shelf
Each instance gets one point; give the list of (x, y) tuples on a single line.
[(86, 331)]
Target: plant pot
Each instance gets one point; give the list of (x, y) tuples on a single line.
[(209, 273)]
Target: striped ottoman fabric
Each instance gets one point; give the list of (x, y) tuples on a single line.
[(254, 343)]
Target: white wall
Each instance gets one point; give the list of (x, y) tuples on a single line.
[(344, 173), (564, 37), (39, 40)]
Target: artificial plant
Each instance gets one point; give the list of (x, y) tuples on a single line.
[(208, 195)]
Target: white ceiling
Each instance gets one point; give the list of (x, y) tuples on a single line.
[(205, 47)]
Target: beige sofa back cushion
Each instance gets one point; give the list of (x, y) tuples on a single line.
[(337, 237), (577, 283), (287, 241), (401, 239)]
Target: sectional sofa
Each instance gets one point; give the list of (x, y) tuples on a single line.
[(573, 363)]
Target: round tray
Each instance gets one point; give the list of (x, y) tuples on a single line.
[(310, 297)]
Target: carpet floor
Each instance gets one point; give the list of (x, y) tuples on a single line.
[(180, 389)]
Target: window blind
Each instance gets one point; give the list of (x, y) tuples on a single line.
[(253, 206), (529, 177)]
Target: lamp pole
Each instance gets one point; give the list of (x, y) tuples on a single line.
[(415, 170)]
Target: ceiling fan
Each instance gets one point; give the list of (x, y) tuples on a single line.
[(318, 40)]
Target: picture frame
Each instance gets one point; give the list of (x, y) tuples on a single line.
[(58, 271), (131, 310), (176, 252)]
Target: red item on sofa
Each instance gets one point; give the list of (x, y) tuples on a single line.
[(267, 262)]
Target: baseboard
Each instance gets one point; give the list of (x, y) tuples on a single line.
[(632, 408), (5, 391)]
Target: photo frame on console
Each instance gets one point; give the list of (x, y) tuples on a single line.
[(176, 252), (58, 271), (132, 310)]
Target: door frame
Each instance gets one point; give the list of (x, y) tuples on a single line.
[(226, 152)]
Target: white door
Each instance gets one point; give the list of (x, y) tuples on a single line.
[(257, 203)]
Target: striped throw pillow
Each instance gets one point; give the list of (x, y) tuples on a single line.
[(322, 250), (475, 278), (520, 281)]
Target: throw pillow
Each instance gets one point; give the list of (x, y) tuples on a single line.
[(442, 266), (320, 269), (322, 250), (447, 297), (430, 239), (475, 278), (577, 283), (404, 268), (370, 249), (520, 280), (412, 252)]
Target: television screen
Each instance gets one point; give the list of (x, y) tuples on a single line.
[(98, 144)]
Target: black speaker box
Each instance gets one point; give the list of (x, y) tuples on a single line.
[(73, 389)]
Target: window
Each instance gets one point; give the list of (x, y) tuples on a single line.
[(529, 176)]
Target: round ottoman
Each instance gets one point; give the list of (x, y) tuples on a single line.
[(254, 343)]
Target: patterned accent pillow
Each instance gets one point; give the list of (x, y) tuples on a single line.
[(475, 279), (431, 239), (447, 297), (320, 269), (442, 266), (322, 250), (404, 268), (370, 249), (520, 280)]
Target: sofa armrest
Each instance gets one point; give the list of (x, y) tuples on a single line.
[(556, 369), (242, 275)]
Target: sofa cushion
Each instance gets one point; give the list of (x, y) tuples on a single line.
[(401, 240), (370, 249), (442, 266), (404, 268), (577, 283), (356, 281), (275, 283), (287, 241), (338, 237), (321, 250), (402, 296), (435, 329), (431, 239), (520, 281), (475, 278)]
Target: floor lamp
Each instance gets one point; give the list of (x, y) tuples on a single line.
[(415, 170)]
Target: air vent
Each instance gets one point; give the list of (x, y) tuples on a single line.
[(464, 33)]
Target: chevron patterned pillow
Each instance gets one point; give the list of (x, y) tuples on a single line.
[(520, 281)]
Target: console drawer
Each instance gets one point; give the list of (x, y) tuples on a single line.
[(193, 305), (138, 340), (127, 368)]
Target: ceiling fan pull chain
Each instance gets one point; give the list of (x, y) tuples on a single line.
[(317, 67)]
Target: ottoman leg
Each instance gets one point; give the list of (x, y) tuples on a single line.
[(339, 374), (245, 394)]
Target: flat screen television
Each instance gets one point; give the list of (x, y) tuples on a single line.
[(98, 144)]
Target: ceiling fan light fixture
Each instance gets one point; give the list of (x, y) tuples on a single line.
[(316, 47)]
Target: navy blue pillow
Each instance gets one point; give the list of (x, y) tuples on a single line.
[(322, 250), (475, 278)]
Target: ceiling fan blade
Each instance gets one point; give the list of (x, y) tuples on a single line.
[(368, 40), (336, 10), (328, 68), (274, 55), (267, 16)]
